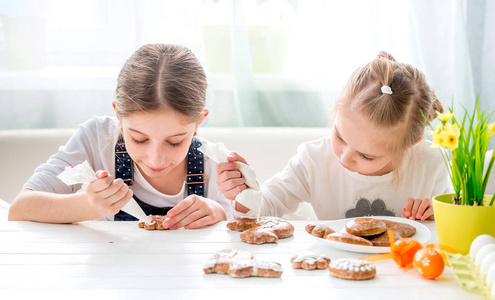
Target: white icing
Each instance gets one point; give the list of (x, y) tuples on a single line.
[(351, 265), (309, 255), (240, 259), (149, 222)]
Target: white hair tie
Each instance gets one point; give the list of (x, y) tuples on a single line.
[(386, 90)]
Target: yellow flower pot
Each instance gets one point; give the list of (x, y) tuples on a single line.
[(458, 225)]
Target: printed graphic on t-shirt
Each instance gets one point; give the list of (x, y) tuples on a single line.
[(365, 207)]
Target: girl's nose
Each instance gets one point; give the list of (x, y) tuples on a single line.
[(156, 157), (346, 157)]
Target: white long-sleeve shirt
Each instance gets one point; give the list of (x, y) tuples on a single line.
[(316, 176)]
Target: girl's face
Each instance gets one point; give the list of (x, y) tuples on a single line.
[(158, 142), (360, 146)]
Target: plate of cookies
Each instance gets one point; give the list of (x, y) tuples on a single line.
[(367, 234)]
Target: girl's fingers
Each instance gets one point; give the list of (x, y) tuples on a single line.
[(227, 175), (234, 191), (425, 203), (101, 174), (180, 211), (201, 222), (117, 206), (116, 189), (233, 156), (227, 166), (428, 214), (409, 207), (100, 184), (414, 210), (191, 217)]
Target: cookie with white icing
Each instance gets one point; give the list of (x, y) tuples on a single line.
[(155, 222), (261, 230), (239, 264), (352, 269), (310, 261), (318, 230)]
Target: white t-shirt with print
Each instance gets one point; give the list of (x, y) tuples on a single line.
[(315, 175), (95, 141)]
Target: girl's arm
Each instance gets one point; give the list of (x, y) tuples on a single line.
[(51, 208), (281, 194), (103, 197)]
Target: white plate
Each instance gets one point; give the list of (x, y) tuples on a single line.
[(422, 234)]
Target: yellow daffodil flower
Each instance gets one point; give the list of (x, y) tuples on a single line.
[(451, 136), (437, 130), (445, 117), (438, 139)]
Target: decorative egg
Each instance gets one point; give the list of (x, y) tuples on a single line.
[(482, 253), (405, 249), (428, 263), (490, 276), (487, 262), (479, 242)]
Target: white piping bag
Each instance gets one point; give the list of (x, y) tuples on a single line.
[(250, 197)]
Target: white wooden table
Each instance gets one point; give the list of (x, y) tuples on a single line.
[(118, 260)]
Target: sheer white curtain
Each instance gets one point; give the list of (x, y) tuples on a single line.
[(269, 63)]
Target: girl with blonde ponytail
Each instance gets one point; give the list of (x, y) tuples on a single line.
[(376, 160)]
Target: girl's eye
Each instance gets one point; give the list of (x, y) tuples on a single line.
[(175, 144), (138, 141), (338, 137), (366, 157)]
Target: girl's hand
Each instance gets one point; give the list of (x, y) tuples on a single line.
[(106, 195), (418, 209), (194, 212), (229, 180)]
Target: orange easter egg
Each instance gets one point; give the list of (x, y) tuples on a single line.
[(428, 263), (404, 251)]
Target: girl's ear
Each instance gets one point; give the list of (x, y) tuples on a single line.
[(114, 104), (203, 116)]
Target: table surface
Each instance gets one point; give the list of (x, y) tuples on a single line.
[(118, 259)]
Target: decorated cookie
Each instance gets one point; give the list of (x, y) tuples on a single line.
[(365, 226), (155, 223), (343, 237), (261, 230), (318, 230), (239, 264), (352, 269), (309, 261)]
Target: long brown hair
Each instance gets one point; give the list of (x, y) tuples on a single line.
[(411, 103), (161, 76)]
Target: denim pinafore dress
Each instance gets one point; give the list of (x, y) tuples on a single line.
[(195, 177)]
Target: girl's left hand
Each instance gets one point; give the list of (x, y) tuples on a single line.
[(194, 212), (418, 209)]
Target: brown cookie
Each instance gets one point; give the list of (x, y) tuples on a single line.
[(365, 226), (352, 269), (343, 237), (309, 261), (155, 223), (239, 263), (318, 230), (261, 230), (400, 230)]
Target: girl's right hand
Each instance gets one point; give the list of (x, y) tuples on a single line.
[(106, 195), (229, 180)]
